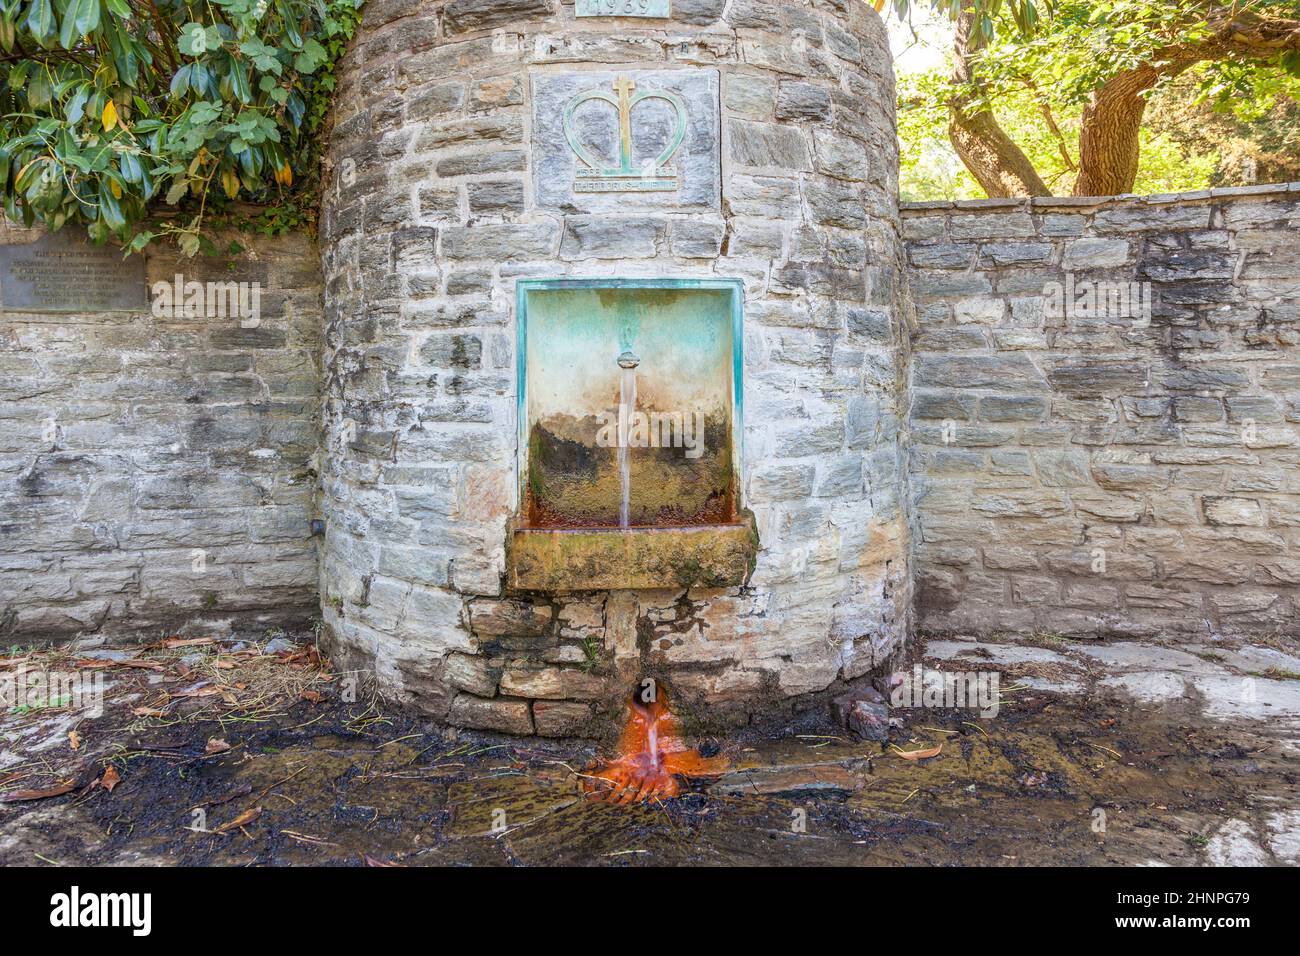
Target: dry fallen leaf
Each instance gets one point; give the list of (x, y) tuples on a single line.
[(147, 712), (371, 861), (15, 796), (146, 665), (245, 818), (110, 779), (216, 746), (74, 740), (918, 754), (174, 642)]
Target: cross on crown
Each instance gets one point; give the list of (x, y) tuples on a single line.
[(654, 174)]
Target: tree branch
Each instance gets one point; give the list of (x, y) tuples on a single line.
[(1112, 118), (997, 163)]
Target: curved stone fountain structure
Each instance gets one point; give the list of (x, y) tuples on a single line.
[(707, 199)]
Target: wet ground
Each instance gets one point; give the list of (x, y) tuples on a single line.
[(1073, 770)]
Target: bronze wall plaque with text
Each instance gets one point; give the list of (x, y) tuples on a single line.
[(61, 273)]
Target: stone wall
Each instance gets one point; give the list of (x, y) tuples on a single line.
[(1129, 473), (1122, 475), (432, 215), (159, 472)]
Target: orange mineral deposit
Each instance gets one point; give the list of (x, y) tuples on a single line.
[(653, 760)]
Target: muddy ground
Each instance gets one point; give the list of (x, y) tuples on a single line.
[(240, 754)]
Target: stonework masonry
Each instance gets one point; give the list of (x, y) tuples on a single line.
[(1127, 469), (445, 168), (1058, 416), (158, 472)]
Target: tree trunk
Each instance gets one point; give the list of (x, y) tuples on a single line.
[(1112, 119), (998, 164), (1110, 128), (1111, 124)]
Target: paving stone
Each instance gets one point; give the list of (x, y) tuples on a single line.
[(1235, 844), (1149, 687)]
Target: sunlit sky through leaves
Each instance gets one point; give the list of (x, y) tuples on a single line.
[(922, 46)]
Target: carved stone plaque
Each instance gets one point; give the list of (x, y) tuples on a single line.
[(634, 139), (661, 9), (60, 273)]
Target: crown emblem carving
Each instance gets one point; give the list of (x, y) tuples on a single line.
[(631, 173)]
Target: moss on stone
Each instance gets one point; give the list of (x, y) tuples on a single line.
[(579, 560)]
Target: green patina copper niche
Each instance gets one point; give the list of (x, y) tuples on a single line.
[(629, 435)]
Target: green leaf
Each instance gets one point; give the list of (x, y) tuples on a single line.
[(76, 107), (132, 169), (311, 57), (39, 92), (237, 85), (193, 40), (180, 81), (140, 240), (8, 31), (88, 17), (41, 22), (289, 22), (110, 209), (79, 18)]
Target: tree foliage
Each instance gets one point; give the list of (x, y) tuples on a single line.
[(112, 111), (1254, 138), (1072, 88), (1179, 151), (1084, 44)]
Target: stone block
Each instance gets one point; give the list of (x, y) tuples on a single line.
[(472, 673), (608, 237), (464, 16), (1093, 253), (768, 145), (559, 718), (551, 683), (502, 716), (1223, 510), (507, 618)]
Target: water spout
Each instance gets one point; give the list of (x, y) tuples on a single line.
[(626, 407)]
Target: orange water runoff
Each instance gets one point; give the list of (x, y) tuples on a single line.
[(653, 760)]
